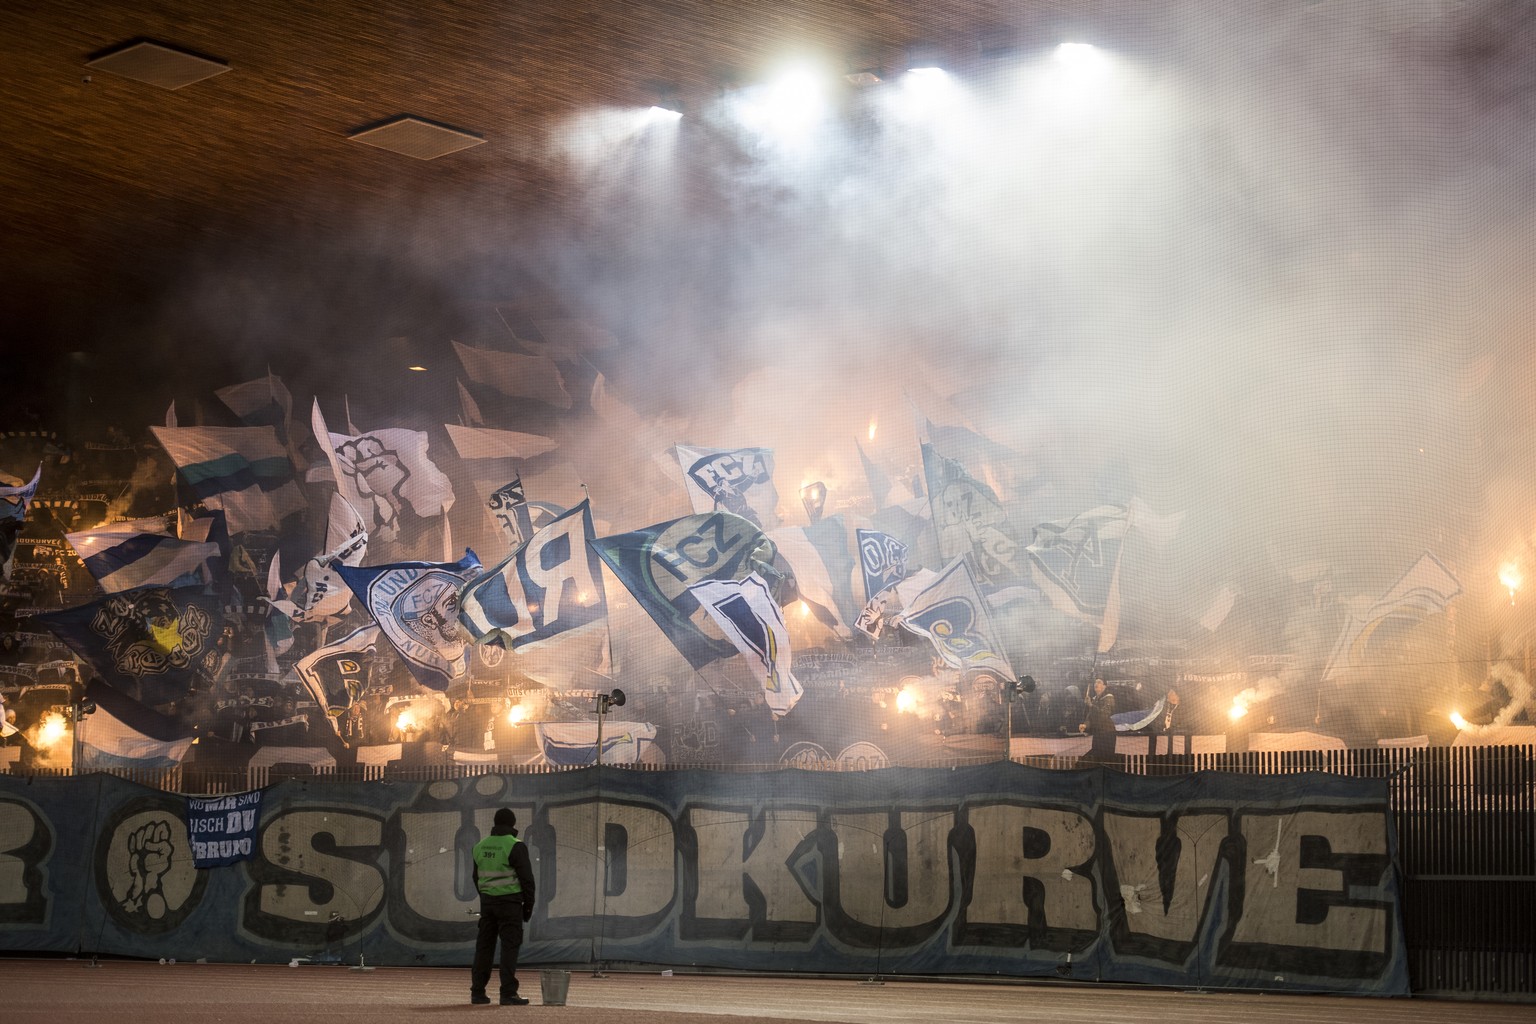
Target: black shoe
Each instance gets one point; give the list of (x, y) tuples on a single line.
[(513, 1001), (479, 1000)]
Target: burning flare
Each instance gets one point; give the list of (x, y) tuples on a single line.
[(50, 730), (906, 700), (873, 422), (1511, 578), (516, 714)]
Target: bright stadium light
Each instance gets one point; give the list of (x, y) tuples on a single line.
[(789, 106)]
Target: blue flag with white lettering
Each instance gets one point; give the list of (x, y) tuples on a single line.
[(222, 829), (882, 559)]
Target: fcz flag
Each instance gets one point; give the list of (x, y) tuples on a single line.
[(658, 564)]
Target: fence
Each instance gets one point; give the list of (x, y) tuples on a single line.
[(1465, 820)]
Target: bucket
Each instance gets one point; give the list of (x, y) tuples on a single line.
[(553, 986)]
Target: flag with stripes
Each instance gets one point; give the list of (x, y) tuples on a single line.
[(244, 471), (121, 556)]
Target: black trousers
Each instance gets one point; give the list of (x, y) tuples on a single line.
[(501, 917)]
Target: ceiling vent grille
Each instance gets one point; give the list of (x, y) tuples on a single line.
[(416, 137), (145, 60)]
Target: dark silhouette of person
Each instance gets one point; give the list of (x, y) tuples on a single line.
[(1099, 723), (504, 878)]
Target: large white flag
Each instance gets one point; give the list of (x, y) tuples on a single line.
[(752, 620), (386, 476)]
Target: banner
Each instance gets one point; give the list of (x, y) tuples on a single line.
[(220, 829), (970, 520), (1217, 881), (154, 644), (334, 674), (387, 477), (883, 560)]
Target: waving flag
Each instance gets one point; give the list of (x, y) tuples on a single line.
[(735, 480), (883, 560), (1424, 590), (386, 476), (1074, 561), (264, 401), (658, 564), (571, 744), (515, 375), (155, 644), (244, 471), (122, 557), (122, 733), (509, 507), (822, 564), (550, 585), (319, 593), (950, 612), (14, 502), (752, 620), (489, 443), (416, 604), (335, 673), (970, 520)]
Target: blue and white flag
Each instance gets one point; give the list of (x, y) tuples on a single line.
[(822, 564), (245, 471), (883, 560), (658, 564), (572, 744), (1426, 589), (735, 480), (125, 734), (950, 612), (1073, 561), (387, 477), (14, 502), (121, 556), (154, 644), (222, 829), (752, 620), (970, 520), (509, 507), (416, 604), (319, 593), (552, 584)]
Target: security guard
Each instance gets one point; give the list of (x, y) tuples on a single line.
[(504, 877)]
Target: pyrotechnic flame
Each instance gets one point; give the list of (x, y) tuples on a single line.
[(873, 422), (516, 714), (1238, 709), (805, 610), (50, 730), (405, 721), (906, 701), (1459, 722), (1511, 577)]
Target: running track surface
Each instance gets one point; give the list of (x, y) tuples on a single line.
[(119, 992)]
